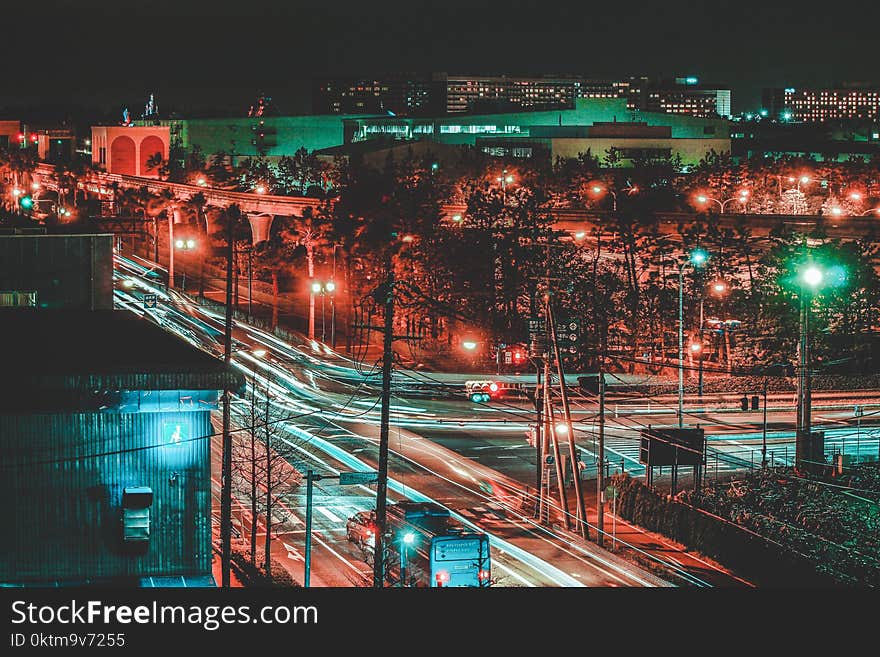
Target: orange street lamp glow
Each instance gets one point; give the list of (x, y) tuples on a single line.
[(855, 196), (260, 189), (696, 346), (470, 345), (836, 211)]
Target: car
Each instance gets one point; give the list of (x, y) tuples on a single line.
[(361, 530)]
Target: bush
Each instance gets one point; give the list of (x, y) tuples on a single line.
[(255, 574)]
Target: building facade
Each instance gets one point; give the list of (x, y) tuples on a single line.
[(105, 430), (443, 93), (597, 123), (128, 150), (848, 103)]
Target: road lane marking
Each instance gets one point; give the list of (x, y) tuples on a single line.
[(332, 516)]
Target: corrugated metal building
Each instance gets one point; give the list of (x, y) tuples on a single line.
[(105, 434)]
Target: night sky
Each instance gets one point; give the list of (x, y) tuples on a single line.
[(214, 56)]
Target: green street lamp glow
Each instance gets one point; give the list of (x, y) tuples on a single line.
[(812, 276), (409, 538), (698, 256)]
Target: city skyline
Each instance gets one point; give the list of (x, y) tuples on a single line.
[(236, 52)]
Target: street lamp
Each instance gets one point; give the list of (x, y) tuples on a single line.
[(599, 189), (406, 541), (742, 197), (810, 278), (184, 245), (505, 179), (697, 258), (324, 289)]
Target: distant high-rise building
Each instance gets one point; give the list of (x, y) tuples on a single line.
[(686, 96), (399, 93), (847, 101), (442, 93)]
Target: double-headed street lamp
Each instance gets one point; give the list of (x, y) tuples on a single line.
[(600, 189), (324, 289), (697, 258), (505, 179), (742, 197)]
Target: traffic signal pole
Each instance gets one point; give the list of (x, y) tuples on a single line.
[(566, 410)]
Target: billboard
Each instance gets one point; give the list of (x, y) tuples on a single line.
[(672, 447)]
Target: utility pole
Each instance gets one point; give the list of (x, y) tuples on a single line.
[(681, 345), (226, 475), (539, 421), (600, 475), (566, 410), (170, 213), (382, 482)]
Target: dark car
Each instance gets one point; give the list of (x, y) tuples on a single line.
[(361, 530)]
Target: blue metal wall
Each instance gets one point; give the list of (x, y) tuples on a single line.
[(62, 477)]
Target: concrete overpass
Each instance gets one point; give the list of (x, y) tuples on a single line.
[(567, 219)]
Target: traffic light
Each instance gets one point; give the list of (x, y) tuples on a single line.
[(755, 402), (481, 391), (744, 403), (26, 202)]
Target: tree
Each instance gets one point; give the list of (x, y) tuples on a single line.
[(265, 460), (297, 172)]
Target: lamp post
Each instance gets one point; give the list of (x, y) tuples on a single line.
[(810, 278), (505, 179), (323, 289), (697, 257), (743, 198), (188, 244), (406, 540)]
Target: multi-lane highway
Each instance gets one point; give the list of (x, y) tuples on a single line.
[(473, 458), (334, 426)]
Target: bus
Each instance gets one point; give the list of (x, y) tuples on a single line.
[(426, 548), (460, 559)]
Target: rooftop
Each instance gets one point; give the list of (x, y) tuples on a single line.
[(104, 349)]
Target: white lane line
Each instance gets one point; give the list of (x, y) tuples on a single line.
[(513, 574), (329, 514)]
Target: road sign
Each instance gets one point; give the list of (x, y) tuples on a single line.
[(537, 327), (348, 478), (568, 333), (150, 300)]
